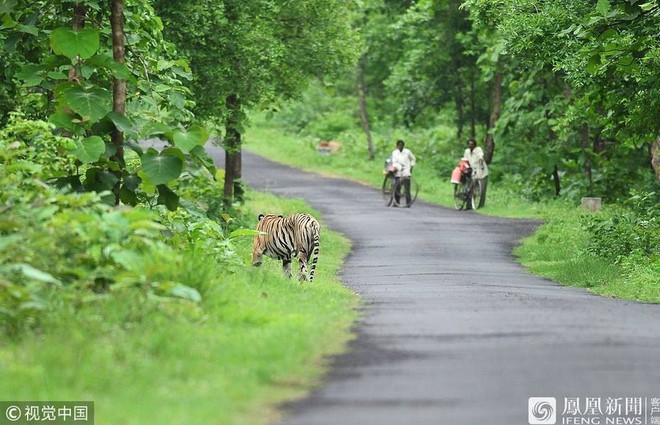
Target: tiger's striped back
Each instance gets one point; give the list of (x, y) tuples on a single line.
[(286, 237)]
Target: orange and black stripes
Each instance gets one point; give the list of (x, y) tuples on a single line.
[(286, 237)]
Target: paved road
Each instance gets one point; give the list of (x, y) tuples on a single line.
[(453, 331)]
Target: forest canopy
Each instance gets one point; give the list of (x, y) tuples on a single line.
[(562, 95)]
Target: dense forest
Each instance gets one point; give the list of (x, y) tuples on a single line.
[(566, 91), (563, 96)]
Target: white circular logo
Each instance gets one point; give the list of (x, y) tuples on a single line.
[(542, 410), (13, 413)]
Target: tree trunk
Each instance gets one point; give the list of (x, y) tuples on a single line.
[(79, 15), (119, 86), (232, 145), (654, 153), (460, 109), (555, 180), (78, 23), (473, 112), (600, 144), (238, 173), (587, 158), (555, 170), (552, 137), (361, 91), (494, 116)]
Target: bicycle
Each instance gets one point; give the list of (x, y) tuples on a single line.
[(392, 186), (467, 193)]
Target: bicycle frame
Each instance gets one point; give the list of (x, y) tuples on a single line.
[(392, 188), (463, 191)]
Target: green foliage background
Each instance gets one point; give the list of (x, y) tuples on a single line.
[(579, 95)]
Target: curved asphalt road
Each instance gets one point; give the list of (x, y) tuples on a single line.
[(453, 331)]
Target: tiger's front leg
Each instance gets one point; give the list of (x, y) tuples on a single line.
[(286, 268)]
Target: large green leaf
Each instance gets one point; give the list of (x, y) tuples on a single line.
[(31, 75), (160, 168), (648, 6), (203, 158), (100, 180), (63, 120), (187, 141), (92, 104), (7, 22), (131, 182), (89, 150), (104, 60), (36, 274), (174, 152), (7, 6), (70, 43), (127, 196), (28, 29), (186, 292), (152, 129), (167, 197), (30, 272), (603, 6), (124, 125)]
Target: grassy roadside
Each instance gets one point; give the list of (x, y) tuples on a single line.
[(558, 250), (257, 339)]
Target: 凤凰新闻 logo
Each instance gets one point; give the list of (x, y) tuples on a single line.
[(542, 410)]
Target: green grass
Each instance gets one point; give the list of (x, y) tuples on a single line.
[(257, 339), (556, 251)]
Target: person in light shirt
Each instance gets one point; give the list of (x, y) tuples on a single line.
[(404, 161), (475, 156)]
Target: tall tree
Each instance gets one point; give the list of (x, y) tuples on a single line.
[(577, 72), (119, 84), (436, 67), (102, 76), (254, 52), (361, 92), (495, 113)]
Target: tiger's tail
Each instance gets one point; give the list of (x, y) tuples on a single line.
[(315, 253)]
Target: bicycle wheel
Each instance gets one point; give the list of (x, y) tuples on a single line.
[(475, 197), (414, 191), (460, 196), (388, 190)]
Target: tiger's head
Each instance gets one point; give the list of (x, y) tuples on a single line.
[(259, 243)]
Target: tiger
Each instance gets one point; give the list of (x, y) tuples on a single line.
[(283, 238)]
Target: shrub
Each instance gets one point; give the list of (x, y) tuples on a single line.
[(34, 150), (59, 247), (633, 228)]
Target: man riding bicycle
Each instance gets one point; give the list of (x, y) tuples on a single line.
[(403, 161)]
